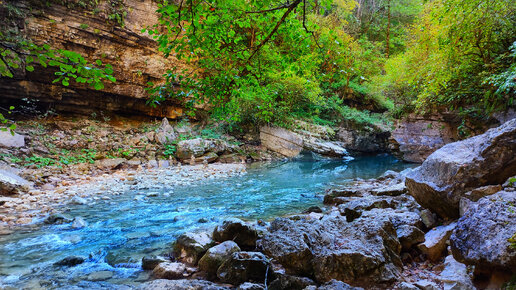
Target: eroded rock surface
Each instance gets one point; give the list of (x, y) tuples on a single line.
[(446, 175), (481, 237)]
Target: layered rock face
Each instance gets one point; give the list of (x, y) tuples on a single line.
[(134, 57), (452, 171), (416, 137)]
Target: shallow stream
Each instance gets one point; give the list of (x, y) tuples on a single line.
[(123, 230)]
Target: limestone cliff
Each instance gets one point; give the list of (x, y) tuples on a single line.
[(133, 54)]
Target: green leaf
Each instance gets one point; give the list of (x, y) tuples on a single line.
[(29, 68)]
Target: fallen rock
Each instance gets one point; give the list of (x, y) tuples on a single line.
[(70, 261), (190, 247), (435, 246), (481, 237), (282, 141), (169, 270), (478, 193), (244, 267), (166, 133), (365, 249), (150, 262), (11, 183), (238, 231), (110, 163), (326, 148), (182, 284), (391, 190), (216, 255), (409, 236), (57, 219), (8, 140), (455, 276), (79, 222), (198, 147), (456, 168), (426, 285)]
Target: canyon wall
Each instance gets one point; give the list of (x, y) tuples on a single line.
[(133, 54)]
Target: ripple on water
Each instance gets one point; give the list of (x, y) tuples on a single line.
[(121, 231)]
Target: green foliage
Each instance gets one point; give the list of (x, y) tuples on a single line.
[(170, 150), (10, 125), (260, 61), (460, 55)]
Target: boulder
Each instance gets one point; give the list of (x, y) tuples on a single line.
[(482, 235), (182, 284), (169, 270), (450, 172), (365, 249), (455, 276), (100, 276), (244, 267), (238, 231), (78, 223), (70, 261), (282, 141), (190, 247), (150, 262), (57, 218), (216, 255), (198, 147), (409, 235), (11, 183), (8, 140), (166, 133), (110, 163), (435, 245), (391, 190), (326, 148)]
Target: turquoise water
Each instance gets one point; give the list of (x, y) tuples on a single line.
[(123, 230)]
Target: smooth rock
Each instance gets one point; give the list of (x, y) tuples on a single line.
[(182, 284), (169, 270), (282, 141), (435, 246), (100, 276), (481, 237), (456, 168), (190, 247), (455, 276), (238, 231), (8, 140), (244, 267), (216, 255)]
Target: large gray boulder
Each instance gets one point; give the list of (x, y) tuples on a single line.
[(8, 140), (481, 237), (11, 183), (446, 175), (198, 147), (365, 249)]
